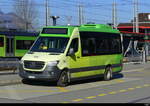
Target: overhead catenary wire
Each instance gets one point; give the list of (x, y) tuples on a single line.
[(100, 11)]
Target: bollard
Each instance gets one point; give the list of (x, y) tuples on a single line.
[(144, 55)]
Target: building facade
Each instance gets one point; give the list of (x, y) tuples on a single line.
[(10, 21)]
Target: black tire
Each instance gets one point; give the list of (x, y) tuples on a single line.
[(63, 80), (108, 74)]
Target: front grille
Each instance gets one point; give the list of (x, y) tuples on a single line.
[(34, 64), (34, 72)]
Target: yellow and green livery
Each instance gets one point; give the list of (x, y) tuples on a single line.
[(68, 53)]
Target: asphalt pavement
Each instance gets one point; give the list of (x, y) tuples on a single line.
[(133, 87), (8, 77)]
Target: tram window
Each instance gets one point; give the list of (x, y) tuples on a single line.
[(1, 41), (24, 44)]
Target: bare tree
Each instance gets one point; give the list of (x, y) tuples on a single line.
[(27, 11)]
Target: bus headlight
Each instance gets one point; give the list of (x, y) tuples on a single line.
[(21, 61), (52, 63), (51, 67)]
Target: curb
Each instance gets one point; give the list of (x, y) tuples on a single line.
[(132, 70), (10, 82)]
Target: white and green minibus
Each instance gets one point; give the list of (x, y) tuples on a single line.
[(67, 53)]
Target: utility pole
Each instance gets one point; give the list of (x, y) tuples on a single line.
[(69, 20), (114, 14), (136, 29), (81, 17), (136, 18), (46, 12)]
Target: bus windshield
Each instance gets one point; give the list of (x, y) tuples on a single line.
[(50, 44)]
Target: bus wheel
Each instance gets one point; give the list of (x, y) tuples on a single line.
[(108, 74), (63, 80)]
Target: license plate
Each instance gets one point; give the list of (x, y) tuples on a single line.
[(32, 77)]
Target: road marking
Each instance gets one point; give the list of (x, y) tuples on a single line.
[(138, 87), (62, 89), (90, 97), (77, 100), (131, 88), (13, 93), (112, 92), (120, 81), (65, 102), (123, 90), (146, 85), (103, 94)]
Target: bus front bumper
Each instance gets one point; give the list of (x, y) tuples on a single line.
[(46, 75)]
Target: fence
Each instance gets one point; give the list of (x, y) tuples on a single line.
[(137, 52), (11, 64)]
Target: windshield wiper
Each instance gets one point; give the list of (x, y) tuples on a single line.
[(30, 52), (54, 53)]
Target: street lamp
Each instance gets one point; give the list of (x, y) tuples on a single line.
[(54, 19)]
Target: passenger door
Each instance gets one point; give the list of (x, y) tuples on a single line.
[(10, 46), (73, 60), (77, 64)]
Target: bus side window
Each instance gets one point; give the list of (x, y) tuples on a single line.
[(115, 48), (1, 41), (91, 46), (84, 45), (102, 47)]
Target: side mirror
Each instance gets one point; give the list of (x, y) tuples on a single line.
[(71, 52)]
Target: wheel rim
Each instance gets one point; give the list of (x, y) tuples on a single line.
[(108, 75), (64, 79)]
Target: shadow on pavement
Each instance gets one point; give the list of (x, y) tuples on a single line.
[(117, 76), (53, 84), (39, 83)]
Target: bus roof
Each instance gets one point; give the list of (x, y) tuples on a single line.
[(98, 28), (59, 31)]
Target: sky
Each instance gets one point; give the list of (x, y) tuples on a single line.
[(97, 11)]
